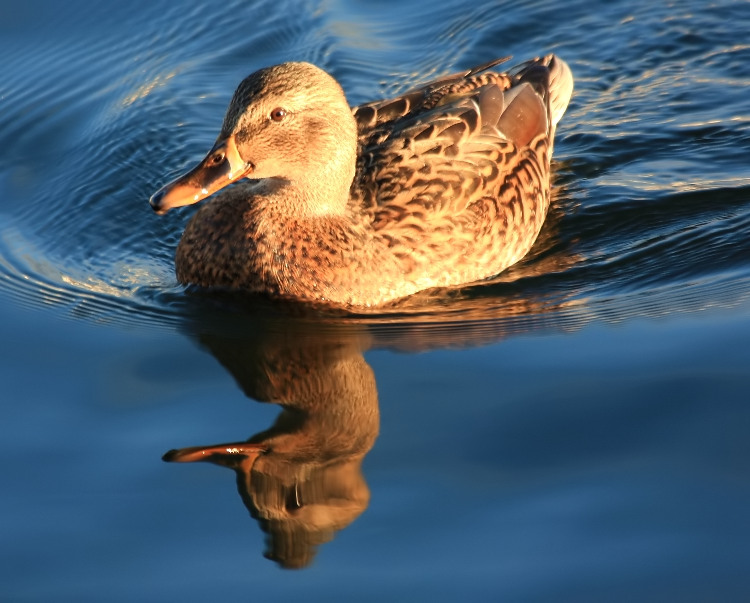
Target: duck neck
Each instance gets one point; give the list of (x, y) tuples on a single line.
[(321, 192), (320, 184)]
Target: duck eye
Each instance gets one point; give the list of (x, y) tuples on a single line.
[(278, 114)]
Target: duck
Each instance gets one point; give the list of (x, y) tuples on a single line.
[(316, 202)]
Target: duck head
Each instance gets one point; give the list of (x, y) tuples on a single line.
[(290, 122)]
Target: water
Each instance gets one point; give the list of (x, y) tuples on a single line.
[(573, 430)]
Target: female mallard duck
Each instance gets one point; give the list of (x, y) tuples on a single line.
[(445, 185)]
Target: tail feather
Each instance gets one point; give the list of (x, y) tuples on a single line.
[(560, 88)]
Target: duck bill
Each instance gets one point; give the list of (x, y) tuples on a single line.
[(222, 166), (229, 455)]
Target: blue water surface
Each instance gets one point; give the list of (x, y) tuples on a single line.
[(575, 429)]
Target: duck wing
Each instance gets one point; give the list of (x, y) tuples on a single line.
[(454, 142)]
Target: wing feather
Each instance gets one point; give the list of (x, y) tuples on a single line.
[(453, 147)]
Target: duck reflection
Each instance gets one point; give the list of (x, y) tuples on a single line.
[(301, 479)]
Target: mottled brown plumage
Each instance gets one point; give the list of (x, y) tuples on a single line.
[(445, 185)]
